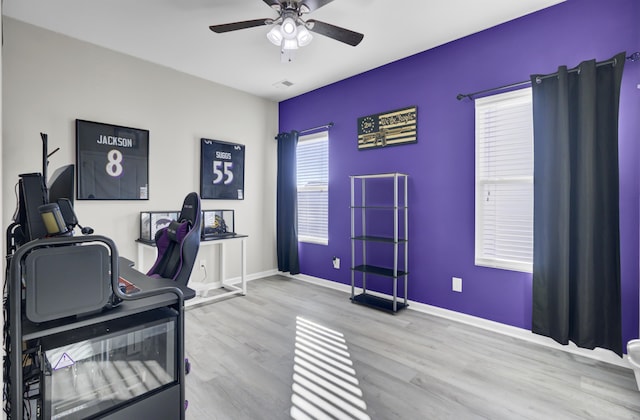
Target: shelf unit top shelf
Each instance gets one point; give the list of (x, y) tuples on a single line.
[(387, 175)]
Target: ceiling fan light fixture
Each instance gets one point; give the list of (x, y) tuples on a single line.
[(290, 44), (304, 37), (275, 36), (289, 28)]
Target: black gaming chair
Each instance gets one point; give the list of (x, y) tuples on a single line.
[(178, 243)]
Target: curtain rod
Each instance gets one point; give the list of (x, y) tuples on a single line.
[(633, 57), (308, 130), (328, 125)]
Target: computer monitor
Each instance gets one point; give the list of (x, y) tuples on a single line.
[(32, 194), (61, 184)]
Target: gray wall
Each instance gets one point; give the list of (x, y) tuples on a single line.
[(49, 80)]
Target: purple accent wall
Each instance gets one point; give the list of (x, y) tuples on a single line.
[(441, 163)]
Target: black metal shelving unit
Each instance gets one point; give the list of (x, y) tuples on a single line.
[(361, 219)]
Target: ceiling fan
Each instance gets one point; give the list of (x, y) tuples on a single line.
[(289, 30)]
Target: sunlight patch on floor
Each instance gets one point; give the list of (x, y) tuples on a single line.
[(324, 381)]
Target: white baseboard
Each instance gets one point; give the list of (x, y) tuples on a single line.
[(254, 276), (602, 355), (199, 286)]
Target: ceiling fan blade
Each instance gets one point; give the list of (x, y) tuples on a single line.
[(228, 27), (272, 3), (339, 34), (314, 4)]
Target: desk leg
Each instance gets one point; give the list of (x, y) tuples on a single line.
[(243, 257), (140, 261), (221, 259)]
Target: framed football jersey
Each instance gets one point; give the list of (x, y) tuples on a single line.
[(221, 170), (112, 162)]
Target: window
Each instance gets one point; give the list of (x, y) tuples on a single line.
[(504, 181), (313, 188)]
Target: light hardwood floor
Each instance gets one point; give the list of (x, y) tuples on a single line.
[(409, 366)]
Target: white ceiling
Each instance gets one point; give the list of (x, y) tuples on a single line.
[(175, 33)]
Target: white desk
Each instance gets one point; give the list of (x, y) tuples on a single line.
[(202, 288)]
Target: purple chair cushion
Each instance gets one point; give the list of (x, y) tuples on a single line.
[(168, 263)]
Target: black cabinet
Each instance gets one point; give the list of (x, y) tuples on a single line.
[(121, 362)]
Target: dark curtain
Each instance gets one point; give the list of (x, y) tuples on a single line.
[(576, 246), (287, 204)]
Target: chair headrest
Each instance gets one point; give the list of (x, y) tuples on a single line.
[(176, 231), (190, 208)]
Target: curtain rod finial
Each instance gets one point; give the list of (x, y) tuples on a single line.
[(460, 96)]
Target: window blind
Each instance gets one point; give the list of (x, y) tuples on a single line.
[(313, 188), (504, 181)]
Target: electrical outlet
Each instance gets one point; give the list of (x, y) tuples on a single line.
[(336, 263), (456, 284), (203, 264)]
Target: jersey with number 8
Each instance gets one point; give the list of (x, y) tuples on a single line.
[(114, 163)]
